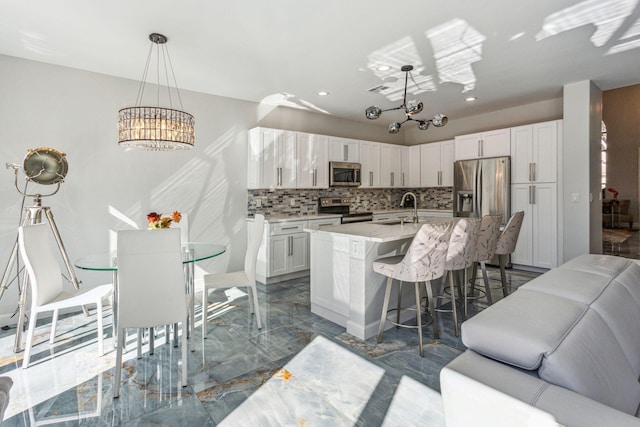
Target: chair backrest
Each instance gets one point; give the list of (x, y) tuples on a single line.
[(42, 265), (253, 245), (151, 282), (183, 226), (487, 237), (425, 257), (509, 236), (462, 245)]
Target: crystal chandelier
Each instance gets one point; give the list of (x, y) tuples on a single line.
[(410, 108), (156, 128)]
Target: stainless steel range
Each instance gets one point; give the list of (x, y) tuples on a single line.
[(340, 205)]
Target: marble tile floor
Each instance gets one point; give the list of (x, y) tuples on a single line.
[(299, 370)]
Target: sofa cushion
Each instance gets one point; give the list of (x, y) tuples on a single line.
[(576, 324), (521, 329)]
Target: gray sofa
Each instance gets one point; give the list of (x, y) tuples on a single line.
[(566, 344)]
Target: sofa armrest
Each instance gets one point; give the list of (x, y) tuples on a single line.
[(468, 402), (568, 408)]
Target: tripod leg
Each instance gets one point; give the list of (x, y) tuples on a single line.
[(29, 218), (63, 252), (22, 303), (7, 271)]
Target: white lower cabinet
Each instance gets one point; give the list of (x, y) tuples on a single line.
[(288, 253), (284, 251), (538, 240)]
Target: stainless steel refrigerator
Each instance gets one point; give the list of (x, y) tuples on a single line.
[(482, 187)]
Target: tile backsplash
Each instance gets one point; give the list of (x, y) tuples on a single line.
[(298, 202)]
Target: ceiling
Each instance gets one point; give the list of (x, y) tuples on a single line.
[(285, 51)]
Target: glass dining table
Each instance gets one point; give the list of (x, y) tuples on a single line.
[(192, 252)]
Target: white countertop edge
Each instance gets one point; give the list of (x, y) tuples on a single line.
[(376, 232), (284, 218)]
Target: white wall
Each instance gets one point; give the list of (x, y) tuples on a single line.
[(582, 218), (107, 187), (534, 112)]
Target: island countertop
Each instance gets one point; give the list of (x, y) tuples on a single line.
[(379, 231)]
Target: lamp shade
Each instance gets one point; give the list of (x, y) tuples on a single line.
[(155, 128)]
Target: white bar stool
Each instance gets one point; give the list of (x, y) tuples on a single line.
[(423, 262), (460, 255)]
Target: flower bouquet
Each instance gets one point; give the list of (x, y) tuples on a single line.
[(156, 220), (614, 192)]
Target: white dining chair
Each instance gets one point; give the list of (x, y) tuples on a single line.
[(151, 287), (240, 279), (47, 287)]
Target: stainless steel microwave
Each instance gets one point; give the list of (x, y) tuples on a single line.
[(344, 174)]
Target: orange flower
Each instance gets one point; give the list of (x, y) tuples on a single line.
[(156, 220)]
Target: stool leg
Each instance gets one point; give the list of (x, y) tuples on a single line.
[(464, 289), (399, 304), (432, 311), (385, 306), (485, 278), (453, 304), (474, 274), (503, 275), (419, 316)]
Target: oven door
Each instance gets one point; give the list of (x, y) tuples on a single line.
[(344, 174)]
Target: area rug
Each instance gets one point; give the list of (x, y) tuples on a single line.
[(613, 235)]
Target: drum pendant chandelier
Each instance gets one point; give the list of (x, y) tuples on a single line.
[(156, 128), (410, 108)]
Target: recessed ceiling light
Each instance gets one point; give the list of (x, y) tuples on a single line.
[(384, 68), (471, 99), (323, 93)]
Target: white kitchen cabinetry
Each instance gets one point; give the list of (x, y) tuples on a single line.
[(538, 240), (534, 190), (271, 159), (411, 170), (343, 150), (313, 164), (390, 165), (284, 250), (370, 163), (534, 156), (436, 162), (493, 143)]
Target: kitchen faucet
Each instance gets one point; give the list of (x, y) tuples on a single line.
[(415, 204)]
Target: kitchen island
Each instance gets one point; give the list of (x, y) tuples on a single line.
[(344, 287)]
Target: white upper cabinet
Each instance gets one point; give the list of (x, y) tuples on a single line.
[(411, 166), (272, 159), (436, 163), (390, 165), (370, 161), (313, 164), (534, 152), (343, 150), (493, 143)]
